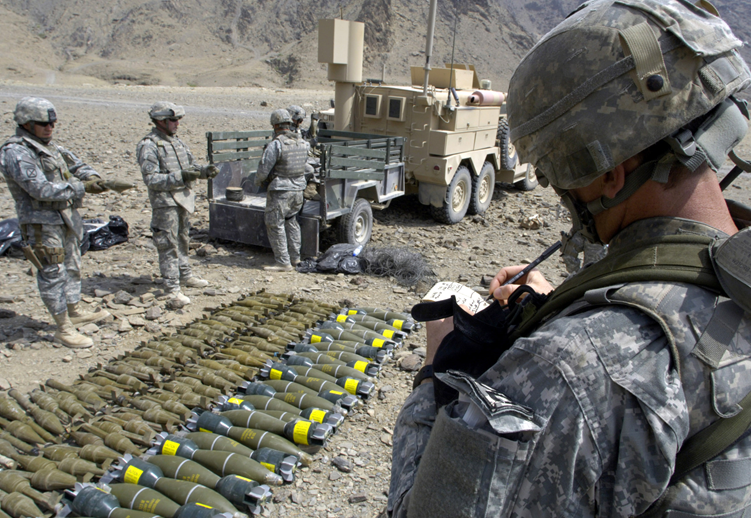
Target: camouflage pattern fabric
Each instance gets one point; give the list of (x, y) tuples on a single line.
[(282, 227), (170, 227), (161, 159), (582, 82), (271, 155), (45, 182), (59, 284), (605, 390)]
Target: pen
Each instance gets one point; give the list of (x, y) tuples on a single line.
[(547, 253)]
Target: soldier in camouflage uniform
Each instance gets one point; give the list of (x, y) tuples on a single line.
[(282, 169), (48, 183), (170, 173), (627, 110)]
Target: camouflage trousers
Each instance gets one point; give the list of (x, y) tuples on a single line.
[(282, 227), (170, 226), (59, 284)]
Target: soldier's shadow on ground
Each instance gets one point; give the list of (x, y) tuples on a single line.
[(17, 327), (135, 285)]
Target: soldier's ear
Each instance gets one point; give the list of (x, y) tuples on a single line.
[(613, 181)]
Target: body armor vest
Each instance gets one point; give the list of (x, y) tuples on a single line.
[(293, 158), (173, 156), (54, 167)]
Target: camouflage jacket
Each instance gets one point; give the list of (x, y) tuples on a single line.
[(44, 179), (271, 155), (162, 159), (609, 412)]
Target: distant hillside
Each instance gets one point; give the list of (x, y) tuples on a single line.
[(264, 42)]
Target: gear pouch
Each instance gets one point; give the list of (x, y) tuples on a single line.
[(467, 471)]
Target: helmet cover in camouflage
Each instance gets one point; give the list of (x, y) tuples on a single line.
[(280, 117), (616, 77), (162, 110), (34, 109), (297, 113)]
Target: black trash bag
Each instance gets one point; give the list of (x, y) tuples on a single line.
[(329, 261), (105, 235), (307, 266), (350, 265), (10, 233)]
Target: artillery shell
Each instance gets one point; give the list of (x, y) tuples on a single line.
[(58, 453), (22, 431), (20, 506), (184, 469), (79, 467), (145, 499), (54, 479), (227, 463), (98, 453)]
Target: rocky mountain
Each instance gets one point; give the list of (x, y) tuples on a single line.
[(270, 43)]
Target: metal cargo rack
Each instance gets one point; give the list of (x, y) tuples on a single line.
[(353, 166)]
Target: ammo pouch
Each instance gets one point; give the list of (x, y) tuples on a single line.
[(478, 340), (48, 255)]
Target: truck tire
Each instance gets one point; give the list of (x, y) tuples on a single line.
[(508, 151), (482, 190), (357, 226), (456, 203), (530, 180)]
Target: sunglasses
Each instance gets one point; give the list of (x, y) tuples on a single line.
[(45, 124), (173, 120)]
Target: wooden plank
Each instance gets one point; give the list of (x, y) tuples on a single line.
[(240, 155), (225, 135), (358, 151), (336, 162), (238, 144), (356, 175)]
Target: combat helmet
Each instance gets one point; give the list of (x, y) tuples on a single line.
[(619, 77), (280, 116), (296, 113), (34, 109), (162, 110)]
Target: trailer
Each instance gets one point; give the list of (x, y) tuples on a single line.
[(357, 173)]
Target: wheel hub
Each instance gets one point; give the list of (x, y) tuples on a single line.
[(457, 200)]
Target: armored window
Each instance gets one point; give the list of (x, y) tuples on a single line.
[(396, 108), (372, 105)]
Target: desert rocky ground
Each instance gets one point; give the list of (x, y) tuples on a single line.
[(103, 124)]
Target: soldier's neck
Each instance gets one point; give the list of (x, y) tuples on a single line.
[(164, 134), (21, 132)]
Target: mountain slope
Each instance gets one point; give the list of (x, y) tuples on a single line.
[(270, 43)]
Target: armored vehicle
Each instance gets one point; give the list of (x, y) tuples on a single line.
[(455, 131)]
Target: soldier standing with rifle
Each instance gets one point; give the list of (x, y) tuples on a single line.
[(282, 169), (169, 173), (48, 184)]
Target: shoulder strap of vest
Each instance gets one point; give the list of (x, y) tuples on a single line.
[(677, 258)]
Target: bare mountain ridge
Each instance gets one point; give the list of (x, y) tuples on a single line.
[(263, 42)]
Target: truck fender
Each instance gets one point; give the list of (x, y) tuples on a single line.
[(431, 194)]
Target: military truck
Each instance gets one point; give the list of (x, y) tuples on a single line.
[(357, 173), (457, 145)]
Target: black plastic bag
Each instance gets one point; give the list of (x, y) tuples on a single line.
[(329, 261), (10, 233), (105, 235)]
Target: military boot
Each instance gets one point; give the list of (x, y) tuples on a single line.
[(78, 315), (177, 298), (194, 282), (67, 335)]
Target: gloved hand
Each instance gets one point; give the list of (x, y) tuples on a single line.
[(95, 186), (190, 175), (209, 171)]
